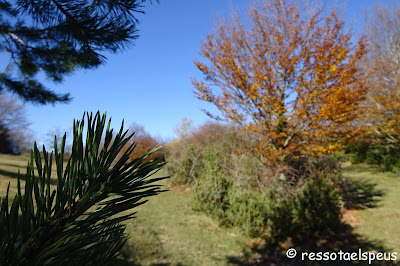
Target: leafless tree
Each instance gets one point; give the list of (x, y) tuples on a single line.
[(382, 63), (13, 122)]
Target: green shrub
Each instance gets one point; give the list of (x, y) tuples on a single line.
[(238, 190), (355, 159), (230, 205), (309, 214), (279, 213), (210, 195), (185, 168), (340, 157), (387, 157), (248, 210), (210, 191), (316, 209), (358, 151), (303, 168), (374, 155), (222, 147), (388, 161)]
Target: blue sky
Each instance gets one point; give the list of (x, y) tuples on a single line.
[(149, 83)]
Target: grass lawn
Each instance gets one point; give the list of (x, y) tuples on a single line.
[(9, 166), (381, 222), (167, 232)]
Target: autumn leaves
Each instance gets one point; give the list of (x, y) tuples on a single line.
[(292, 76)]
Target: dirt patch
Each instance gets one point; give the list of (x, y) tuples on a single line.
[(351, 217), (346, 164)]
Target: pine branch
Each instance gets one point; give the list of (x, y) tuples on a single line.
[(80, 220), (65, 36)]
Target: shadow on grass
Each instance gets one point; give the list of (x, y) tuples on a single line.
[(356, 194), (11, 174), (21, 176), (145, 248), (360, 194), (345, 240), (22, 166)]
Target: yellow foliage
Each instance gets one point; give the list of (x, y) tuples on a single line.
[(296, 80)]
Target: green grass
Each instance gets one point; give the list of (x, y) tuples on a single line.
[(167, 232), (382, 222), (9, 166)]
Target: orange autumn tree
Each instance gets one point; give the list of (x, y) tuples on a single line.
[(144, 143), (291, 77)]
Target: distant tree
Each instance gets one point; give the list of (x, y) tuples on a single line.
[(57, 132), (58, 37), (12, 114), (184, 128), (382, 63), (143, 141), (291, 77), (14, 133)]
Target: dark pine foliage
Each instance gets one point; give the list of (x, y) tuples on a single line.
[(6, 144), (58, 37)]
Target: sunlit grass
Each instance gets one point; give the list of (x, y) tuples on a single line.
[(382, 222), (166, 230)]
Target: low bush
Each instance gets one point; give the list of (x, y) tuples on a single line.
[(230, 205), (310, 214), (299, 200), (307, 211), (310, 167), (185, 163), (316, 209), (248, 210), (389, 161), (358, 151), (211, 195), (386, 157), (213, 147), (340, 157)]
